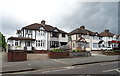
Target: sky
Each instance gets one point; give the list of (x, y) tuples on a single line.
[(95, 15)]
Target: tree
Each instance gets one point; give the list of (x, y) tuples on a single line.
[(2, 42)]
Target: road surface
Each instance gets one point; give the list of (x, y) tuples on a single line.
[(111, 68)]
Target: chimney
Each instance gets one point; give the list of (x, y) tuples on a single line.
[(107, 30), (43, 22), (82, 27)]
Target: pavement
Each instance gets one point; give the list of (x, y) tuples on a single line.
[(29, 65)]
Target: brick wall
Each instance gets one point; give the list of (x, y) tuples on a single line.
[(58, 54), (17, 55)]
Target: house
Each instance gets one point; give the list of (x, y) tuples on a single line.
[(106, 38), (115, 41), (83, 39), (38, 36)]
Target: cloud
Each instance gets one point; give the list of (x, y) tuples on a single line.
[(10, 24), (96, 16)]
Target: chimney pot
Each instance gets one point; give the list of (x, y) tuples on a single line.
[(82, 27), (43, 22), (107, 30)]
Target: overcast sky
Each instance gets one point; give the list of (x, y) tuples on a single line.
[(64, 14)]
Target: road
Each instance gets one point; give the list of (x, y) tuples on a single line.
[(79, 70)]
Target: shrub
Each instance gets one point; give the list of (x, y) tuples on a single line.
[(108, 51), (76, 50), (116, 50), (56, 50), (112, 51)]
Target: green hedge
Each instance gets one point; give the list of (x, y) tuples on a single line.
[(76, 50), (56, 50), (112, 51)]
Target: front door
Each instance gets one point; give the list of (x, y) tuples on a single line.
[(28, 45)]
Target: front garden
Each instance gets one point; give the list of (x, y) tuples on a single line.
[(58, 53), (112, 52)]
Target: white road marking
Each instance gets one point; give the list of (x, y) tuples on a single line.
[(79, 67), (45, 71), (65, 68), (111, 70), (70, 67), (59, 61), (118, 70), (54, 70)]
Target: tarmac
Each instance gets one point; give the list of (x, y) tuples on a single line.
[(30, 65)]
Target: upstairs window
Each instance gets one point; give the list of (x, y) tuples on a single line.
[(41, 33), (26, 31), (95, 37), (63, 34), (54, 34)]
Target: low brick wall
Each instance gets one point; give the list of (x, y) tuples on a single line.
[(58, 54), (77, 54), (17, 55), (111, 53)]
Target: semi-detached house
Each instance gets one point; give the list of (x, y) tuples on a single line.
[(84, 39), (38, 36)]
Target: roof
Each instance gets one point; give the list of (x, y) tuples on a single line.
[(48, 28), (19, 38), (81, 39), (100, 42), (106, 33), (83, 31)]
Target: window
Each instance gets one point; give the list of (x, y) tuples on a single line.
[(54, 44), (95, 45), (63, 35), (100, 38), (95, 37), (40, 43), (41, 33), (30, 31), (16, 43), (73, 45), (26, 31), (54, 34), (99, 46), (28, 43)]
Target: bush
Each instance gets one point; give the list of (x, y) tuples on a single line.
[(108, 51), (77, 50), (116, 50), (56, 50), (112, 51)]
